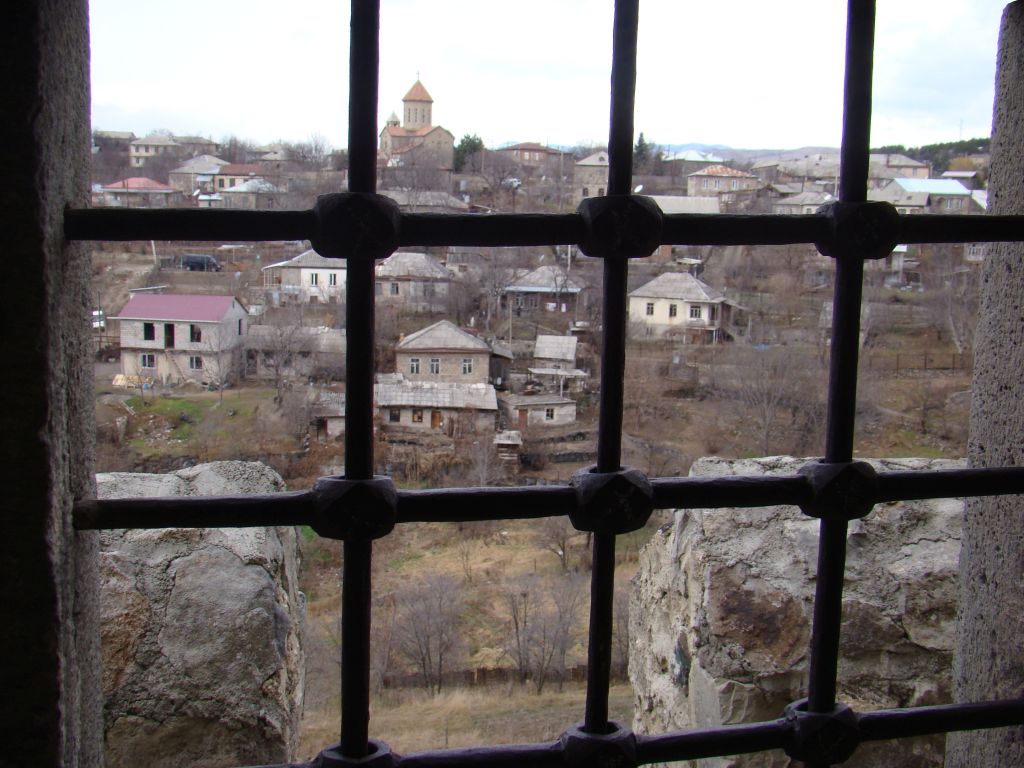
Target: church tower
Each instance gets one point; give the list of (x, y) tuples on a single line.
[(417, 108)]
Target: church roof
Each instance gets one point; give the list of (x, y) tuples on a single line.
[(417, 93)]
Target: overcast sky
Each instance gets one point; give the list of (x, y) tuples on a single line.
[(742, 73)]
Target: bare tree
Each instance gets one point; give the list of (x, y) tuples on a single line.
[(382, 640), (426, 628), (278, 339), (951, 293), (554, 535), (569, 595)]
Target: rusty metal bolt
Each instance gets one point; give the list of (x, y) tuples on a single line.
[(614, 749), (379, 755), (355, 224), (611, 502), (823, 738), (860, 230), (624, 226), (844, 490), (355, 509)]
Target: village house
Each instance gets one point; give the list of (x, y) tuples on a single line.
[(252, 195), (591, 176), (196, 176), (543, 410), (414, 281), (679, 165), (443, 352), (537, 160), (233, 174), (677, 304), (925, 196), (547, 288), (328, 417), (148, 147), (294, 352), (309, 278), (554, 363), (173, 338), (446, 407), (720, 181), (136, 192), (808, 201)]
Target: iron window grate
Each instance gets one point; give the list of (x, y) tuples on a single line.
[(362, 227)]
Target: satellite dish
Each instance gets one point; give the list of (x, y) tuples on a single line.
[(637, 189)]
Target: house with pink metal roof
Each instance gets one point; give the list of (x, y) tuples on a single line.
[(136, 192), (173, 338)]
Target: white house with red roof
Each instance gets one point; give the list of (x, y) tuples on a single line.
[(720, 180), (172, 338)]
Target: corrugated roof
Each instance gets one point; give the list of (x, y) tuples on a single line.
[(443, 334), (417, 93), (176, 306), (555, 347), (139, 184), (933, 186), (394, 390), (684, 204), (722, 170), (310, 259), (677, 285), (546, 279), (421, 265)]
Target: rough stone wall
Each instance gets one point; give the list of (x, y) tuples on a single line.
[(49, 644), (721, 608), (202, 649), (989, 660)]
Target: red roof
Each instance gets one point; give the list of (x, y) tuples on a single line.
[(722, 170), (417, 93), (395, 130), (139, 184), (240, 169), (171, 306)]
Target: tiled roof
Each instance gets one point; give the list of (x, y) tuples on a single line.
[(394, 390), (421, 265), (138, 184), (722, 170), (176, 306), (677, 285), (443, 334), (555, 347), (397, 130), (417, 93)]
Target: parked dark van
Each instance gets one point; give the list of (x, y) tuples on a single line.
[(199, 262)]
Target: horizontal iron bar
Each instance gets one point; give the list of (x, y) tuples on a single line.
[(921, 721), (426, 229), (740, 739), (524, 503)]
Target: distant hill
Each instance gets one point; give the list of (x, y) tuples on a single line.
[(940, 155)]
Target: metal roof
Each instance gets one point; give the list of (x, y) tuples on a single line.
[(252, 185), (393, 390), (311, 260), (443, 334), (555, 347), (138, 184), (933, 186), (177, 306), (686, 204), (421, 265), (677, 285), (547, 279)]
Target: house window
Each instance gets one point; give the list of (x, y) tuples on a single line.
[(954, 203), (695, 312), (417, 416), (600, 191), (332, 278), (147, 360), (734, 184), (148, 332), (650, 309), (195, 334), (394, 289), (533, 301), (241, 326), (195, 362), (705, 183), (414, 365), (718, 183), (467, 365), (549, 414), (435, 365), (314, 278), (220, 183), (394, 415), (672, 310), (586, 191)]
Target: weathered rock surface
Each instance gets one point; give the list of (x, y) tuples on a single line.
[(201, 629), (721, 612)]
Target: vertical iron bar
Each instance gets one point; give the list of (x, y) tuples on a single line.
[(842, 391), (364, 49), (613, 362)]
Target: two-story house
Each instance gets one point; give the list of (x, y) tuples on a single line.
[(720, 181), (441, 383), (136, 192), (173, 338), (591, 176), (309, 278), (548, 288), (925, 196), (678, 304)]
